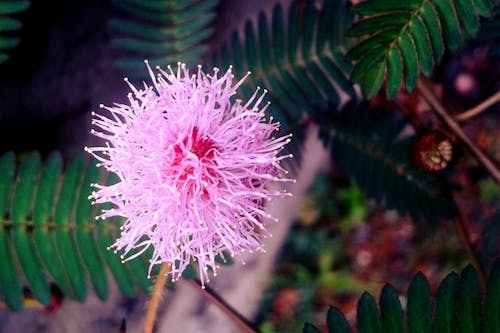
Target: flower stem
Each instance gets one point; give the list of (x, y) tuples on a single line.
[(441, 112), (479, 108), (159, 286), (244, 325)]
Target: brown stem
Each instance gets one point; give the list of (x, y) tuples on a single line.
[(464, 233), (440, 111), (244, 325), (159, 286), (479, 108)]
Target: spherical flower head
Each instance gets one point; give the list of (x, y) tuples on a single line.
[(194, 169)]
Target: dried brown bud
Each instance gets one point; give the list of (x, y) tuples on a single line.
[(433, 151)]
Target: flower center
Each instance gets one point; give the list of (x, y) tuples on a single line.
[(192, 165), (200, 147)]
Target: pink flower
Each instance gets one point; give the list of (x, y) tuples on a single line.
[(194, 169)]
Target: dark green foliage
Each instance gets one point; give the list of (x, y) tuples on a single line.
[(298, 55), (491, 306), (419, 305), (415, 30), (8, 24), (468, 309), (164, 32), (367, 315), (336, 322), (367, 145), (391, 313), (458, 307), (48, 225), (445, 306)]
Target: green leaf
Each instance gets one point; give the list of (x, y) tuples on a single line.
[(336, 321), (491, 319), (373, 79), (467, 298), (265, 52), (371, 43), (30, 262), (391, 313), (420, 35), (85, 240), (433, 25), (299, 61), (163, 32), (42, 211), (457, 306), (13, 7), (467, 15), (308, 27), (278, 31), (293, 32), (47, 243), (367, 63), (445, 305), (367, 316), (484, 7), (46, 191), (118, 269), (25, 188), (9, 280), (449, 22), (419, 305), (21, 208), (105, 235), (8, 42), (373, 7), (379, 23), (7, 168), (394, 72), (10, 286), (9, 24), (417, 28), (410, 60), (65, 241)]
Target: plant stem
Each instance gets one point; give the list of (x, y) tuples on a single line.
[(479, 108), (440, 111), (244, 325), (159, 286), (464, 233)]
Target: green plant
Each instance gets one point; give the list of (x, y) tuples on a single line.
[(162, 32), (47, 224), (401, 38), (458, 307), (370, 148), (9, 24)]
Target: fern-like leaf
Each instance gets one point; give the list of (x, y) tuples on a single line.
[(408, 37), (457, 307), (164, 32), (371, 149), (48, 231), (9, 24), (296, 53)]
